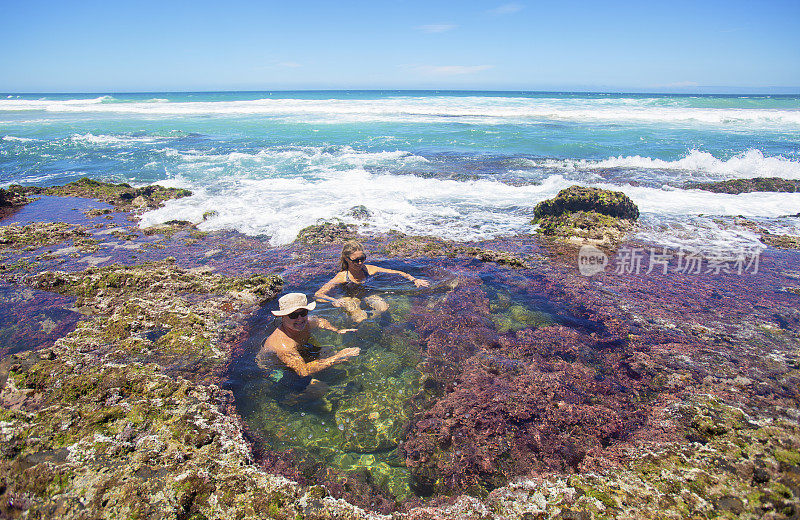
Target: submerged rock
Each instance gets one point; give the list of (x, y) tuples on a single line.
[(586, 215), (360, 212), (767, 237), (780, 241), (737, 186), (39, 234), (370, 422)]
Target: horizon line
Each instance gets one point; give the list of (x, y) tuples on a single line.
[(699, 89)]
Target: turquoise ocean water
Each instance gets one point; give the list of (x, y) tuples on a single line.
[(460, 165)]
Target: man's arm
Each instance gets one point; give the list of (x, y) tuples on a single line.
[(294, 360)]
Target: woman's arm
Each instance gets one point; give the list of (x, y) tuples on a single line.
[(322, 292), (419, 282), (322, 323)]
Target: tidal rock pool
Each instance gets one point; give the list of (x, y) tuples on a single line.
[(367, 436)]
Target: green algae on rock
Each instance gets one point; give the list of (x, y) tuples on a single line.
[(511, 316), (40, 234), (738, 186), (780, 241), (149, 312), (580, 198), (327, 232), (85, 438), (586, 215), (585, 226), (123, 197)]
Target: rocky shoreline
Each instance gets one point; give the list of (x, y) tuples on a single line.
[(672, 397)]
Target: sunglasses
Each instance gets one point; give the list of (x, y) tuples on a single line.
[(296, 314), (359, 260)]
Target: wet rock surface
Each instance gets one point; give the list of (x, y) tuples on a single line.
[(11, 199), (123, 197), (737, 186), (328, 232), (580, 198), (538, 393), (586, 215)]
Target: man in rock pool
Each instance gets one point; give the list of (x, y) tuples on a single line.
[(290, 345), (354, 277)]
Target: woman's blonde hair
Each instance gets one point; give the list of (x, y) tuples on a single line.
[(349, 248)]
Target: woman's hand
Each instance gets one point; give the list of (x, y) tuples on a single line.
[(337, 302), (348, 353), (419, 282), (345, 331)]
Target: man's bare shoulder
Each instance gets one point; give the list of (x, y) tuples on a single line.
[(276, 341)]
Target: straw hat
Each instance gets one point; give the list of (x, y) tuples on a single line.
[(291, 302)]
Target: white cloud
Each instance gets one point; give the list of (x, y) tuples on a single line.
[(437, 28), (452, 70), (507, 9)]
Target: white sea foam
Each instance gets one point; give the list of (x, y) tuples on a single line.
[(269, 163), (671, 201), (105, 140), (750, 164), (11, 138), (474, 109), (281, 207), (462, 210)]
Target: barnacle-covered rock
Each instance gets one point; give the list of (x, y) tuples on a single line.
[(327, 232), (586, 215)]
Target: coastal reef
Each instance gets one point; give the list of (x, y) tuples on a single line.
[(84, 437), (122, 196), (157, 311), (737, 186), (38, 234), (513, 388), (581, 215)]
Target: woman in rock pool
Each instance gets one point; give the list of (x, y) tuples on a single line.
[(354, 275), (292, 346)]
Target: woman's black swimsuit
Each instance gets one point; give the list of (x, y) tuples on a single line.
[(360, 290)]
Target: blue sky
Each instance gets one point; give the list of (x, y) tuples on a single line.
[(92, 46)]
